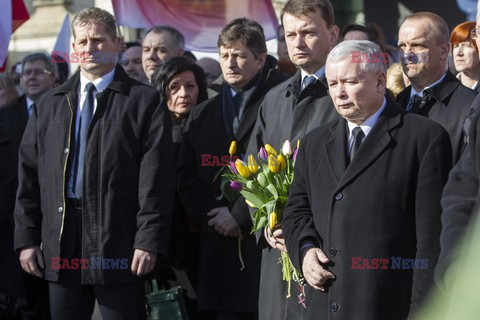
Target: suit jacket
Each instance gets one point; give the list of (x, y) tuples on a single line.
[(13, 120), (204, 150), (459, 198), (384, 205), (449, 107), (287, 112)]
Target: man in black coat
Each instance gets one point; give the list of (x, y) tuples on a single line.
[(225, 238), (38, 76), (95, 182), (434, 92), (288, 112), (367, 192)]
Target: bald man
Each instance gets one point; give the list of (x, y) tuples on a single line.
[(434, 91)]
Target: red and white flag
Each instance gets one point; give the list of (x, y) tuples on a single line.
[(200, 21), (5, 28), (12, 14)]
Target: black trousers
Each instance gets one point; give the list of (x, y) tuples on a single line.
[(69, 299)]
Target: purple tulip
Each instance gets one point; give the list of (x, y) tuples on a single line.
[(232, 166), (237, 186), (263, 154), (295, 155)]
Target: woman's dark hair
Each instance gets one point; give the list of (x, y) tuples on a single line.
[(177, 65), (373, 31)]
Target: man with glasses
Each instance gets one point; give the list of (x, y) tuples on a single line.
[(434, 91), (37, 78)]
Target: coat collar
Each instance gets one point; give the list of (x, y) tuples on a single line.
[(374, 145), (440, 92), (121, 83), (294, 86)]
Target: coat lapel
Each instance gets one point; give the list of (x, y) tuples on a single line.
[(336, 149), (247, 123), (404, 97), (375, 143)]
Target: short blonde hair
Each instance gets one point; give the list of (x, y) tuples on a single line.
[(395, 83)]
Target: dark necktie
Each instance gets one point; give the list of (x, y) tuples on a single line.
[(358, 136), (308, 80), (419, 102), (85, 119)]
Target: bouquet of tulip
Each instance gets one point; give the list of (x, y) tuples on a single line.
[(264, 182)]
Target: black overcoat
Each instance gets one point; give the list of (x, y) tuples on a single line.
[(449, 107), (286, 114), (129, 177), (459, 198), (384, 205), (13, 120), (204, 149)]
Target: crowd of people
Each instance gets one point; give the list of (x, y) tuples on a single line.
[(104, 186)]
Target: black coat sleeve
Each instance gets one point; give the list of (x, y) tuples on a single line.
[(458, 201), (156, 182), (297, 221), (28, 214), (195, 193), (434, 167)]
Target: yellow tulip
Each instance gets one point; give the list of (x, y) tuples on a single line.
[(233, 148), (282, 162), (273, 164), (252, 164), (298, 143), (273, 220), (242, 168), (271, 150), (250, 204)]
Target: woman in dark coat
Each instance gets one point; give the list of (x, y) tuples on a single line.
[(182, 85)]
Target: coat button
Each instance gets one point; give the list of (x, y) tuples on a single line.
[(60, 209), (65, 150), (333, 307), (332, 251), (338, 196)]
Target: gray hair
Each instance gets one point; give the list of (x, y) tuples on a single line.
[(177, 37), (39, 56), (366, 53)]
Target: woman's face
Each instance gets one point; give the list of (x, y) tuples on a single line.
[(182, 94), (465, 56)]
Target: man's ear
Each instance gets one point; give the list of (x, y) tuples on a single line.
[(334, 32), (445, 50), (180, 52), (261, 61), (117, 41), (381, 82)]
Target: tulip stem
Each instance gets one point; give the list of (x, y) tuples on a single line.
[(240, 253)]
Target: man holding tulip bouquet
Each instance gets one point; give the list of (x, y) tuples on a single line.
[(366, 191), (288, 112), (229, 266)]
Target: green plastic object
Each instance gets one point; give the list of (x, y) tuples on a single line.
[(166, 304)]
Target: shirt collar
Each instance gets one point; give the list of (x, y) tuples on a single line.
[(420, 94), (100, 83), (29, 102), (368, 124), (320, 72)]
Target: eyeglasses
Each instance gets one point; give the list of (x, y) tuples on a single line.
[(475, 33), (35, 72)]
